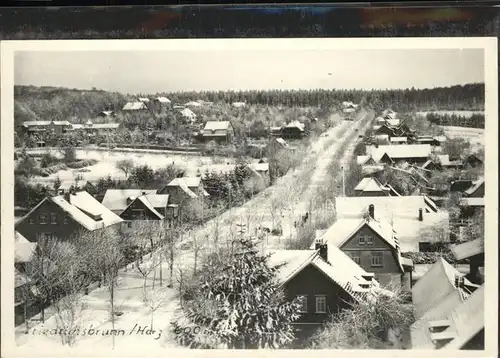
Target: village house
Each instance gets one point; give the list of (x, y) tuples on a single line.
[(143, 100), (193, 104), (135, 106), (294, 129), (221, 131), (472, 161), (473, 252), (68, 185), (274, 145), (369, 186), (383, 130), (388, 113), (184, 191), (65, 215), (117, 200), (429, 139), (259, 172), (393, 154), (92, 128), (324, 279), (106, 114), (417, 220), (373, 245), (403, 130), (57, 127), (275, 131), (449, 310), (162, 100), (473, 198), (188, 114)]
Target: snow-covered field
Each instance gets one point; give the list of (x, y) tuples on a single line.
[(474, 135), (457, 113), (108, 159)]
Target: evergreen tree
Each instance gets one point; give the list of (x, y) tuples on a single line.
[(237, 303)]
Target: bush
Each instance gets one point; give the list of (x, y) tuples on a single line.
[(82, 163)]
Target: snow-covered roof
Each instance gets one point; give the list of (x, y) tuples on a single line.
[(144, 200), (475, 186), (193, 104), (341, 269), (163, 100), (468, 249), (296, 124), (191, 182), (106, 125), (282, 142), (186, 112), (143, 99), (400, 151), (239, 104), (23, 249), (472, 202), (133, 106), (370, 184), (116, 199), (217, 125), (259, 167), (46, 123), (399, 139)]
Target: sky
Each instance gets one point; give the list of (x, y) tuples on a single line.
[(172, 71)]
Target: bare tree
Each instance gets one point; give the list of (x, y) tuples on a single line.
[(125, 165), (154, 299)]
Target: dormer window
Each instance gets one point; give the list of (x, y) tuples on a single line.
[(442, 338), (438, 326)]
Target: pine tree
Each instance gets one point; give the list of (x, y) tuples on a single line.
[(237, 303)]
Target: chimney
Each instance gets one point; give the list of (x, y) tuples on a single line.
[(371, 211), (323, 251), (420, 215)]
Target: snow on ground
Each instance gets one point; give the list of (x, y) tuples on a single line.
[(108, 159), (474, 135), (129, 293)]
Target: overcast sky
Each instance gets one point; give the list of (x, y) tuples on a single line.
[(156, 71)]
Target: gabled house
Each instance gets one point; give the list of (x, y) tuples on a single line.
[(472, 251), (221, 131), (193, 104), (476, 190), (188, 114), (416, 220), (473, 161), (324, 279), (183, 191), (259, 171), (294, 129), (63, 216), (274, 145), (370, 186), (437, 298), (373, 245), (143, 100), (239, 104), (163, 100), (383, 129), (58, 127), (117, 200), (411, 153), (135, 106), (149, 207)]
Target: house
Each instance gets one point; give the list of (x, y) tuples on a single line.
[(117, 200), (162, 100), (135, 106), (221, 131), (369, 186), (67, 185), (389, 112), (416, 220), (294, 129), (275, 131), (193, 104), (443, 302), (373, 245), (476, 190), (274, 145), (239, 104), (473, 161), (403, 130), (473, 251), (399, 140), (183, 191), (90, 127), (259, 171), (411, 153), (324, 279), (143, 100), (460, 185), (383, 129), (65, 215), (449, 164), (149, 207), (58, 127), (392, 122), (188, 114), (106, 114)]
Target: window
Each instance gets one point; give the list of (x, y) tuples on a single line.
[(129, 224), (31, 220), (356, 258), (303, 303), (53, 218), (138, 214), (369, 240), (66, 219), (320, 304), (376, 259), (361, 240), (42, 218)]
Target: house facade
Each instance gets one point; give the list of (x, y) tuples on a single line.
[(57, 127), (62, 217), (219, 131), (293, 130)]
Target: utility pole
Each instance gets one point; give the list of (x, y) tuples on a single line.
[(343, 180)]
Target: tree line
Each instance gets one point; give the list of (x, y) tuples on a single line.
[(476, 120)]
